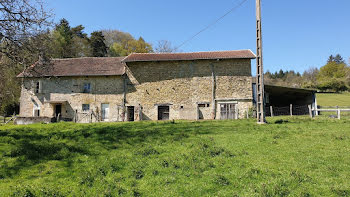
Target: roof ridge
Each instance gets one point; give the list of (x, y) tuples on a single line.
[(70, 58), (194, 52)]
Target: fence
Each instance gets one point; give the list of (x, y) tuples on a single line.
[(296, 110), (86, 117), (331, 111), (291, 110), (8, 119)]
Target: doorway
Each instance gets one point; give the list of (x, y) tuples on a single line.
[(104, 111), (227, 111), (131, 113), (58, 110), (163, 112)]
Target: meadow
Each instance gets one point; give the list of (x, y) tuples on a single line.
[(286, 157), (333, 99)]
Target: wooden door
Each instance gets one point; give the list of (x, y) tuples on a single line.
[(227, 111), (163, 112), (131, 113)]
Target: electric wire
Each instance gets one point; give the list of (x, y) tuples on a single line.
[(211, 24)]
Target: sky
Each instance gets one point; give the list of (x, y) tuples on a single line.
[(297, 34)]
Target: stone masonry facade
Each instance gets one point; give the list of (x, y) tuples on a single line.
[(185, 89)]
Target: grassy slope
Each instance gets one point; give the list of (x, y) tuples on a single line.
[(333, 99), (221, 158)]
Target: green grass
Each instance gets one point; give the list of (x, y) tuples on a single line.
[(289, 156), (333, 99)]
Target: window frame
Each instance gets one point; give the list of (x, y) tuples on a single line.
[(83, 107), (87, 88)]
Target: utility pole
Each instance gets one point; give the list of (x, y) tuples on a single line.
[(260, 104)]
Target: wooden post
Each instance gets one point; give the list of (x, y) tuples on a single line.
[(291, 109), (140, 112), (117, 113), (271, 111), (247, 113), (338, 113), (310, 111), (213, 96)]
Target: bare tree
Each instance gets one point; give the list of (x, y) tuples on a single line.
[(23, 38), (19, 21), (165, 46)]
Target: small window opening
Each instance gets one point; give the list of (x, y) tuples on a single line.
[(86, 107), (37, 87), (87, 88)]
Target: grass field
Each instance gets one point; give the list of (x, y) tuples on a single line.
[(289, 156), (332, 99)]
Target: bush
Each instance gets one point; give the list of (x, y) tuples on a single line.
[(335, 85)]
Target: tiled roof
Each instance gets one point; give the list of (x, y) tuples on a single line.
[(141, 57), (86, 66)]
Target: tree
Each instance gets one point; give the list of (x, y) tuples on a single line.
[(330, 59), (117, 50), (97, 43), (63, 40), (164, 46), (333, 76), (20, 20), (310, 78), (23, 38), (70, 41), (139, 46), (127, 47), (116, 36), (337, 59)]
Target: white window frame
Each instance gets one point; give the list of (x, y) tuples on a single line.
[(38, 87), (36, 107)]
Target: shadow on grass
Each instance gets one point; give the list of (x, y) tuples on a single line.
[(30, 146)]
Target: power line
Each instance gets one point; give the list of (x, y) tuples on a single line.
[(211, 24)]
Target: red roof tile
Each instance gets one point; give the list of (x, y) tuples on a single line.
[(85, 66), (141, 57)]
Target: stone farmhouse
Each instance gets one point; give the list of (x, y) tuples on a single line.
[(153, 86)]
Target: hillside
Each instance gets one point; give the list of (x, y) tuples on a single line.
[(297, 156), (333, 99)]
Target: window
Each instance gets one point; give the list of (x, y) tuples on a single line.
[(203, 105), (87, 88), (86, 107), (36, 112), (38, 87)]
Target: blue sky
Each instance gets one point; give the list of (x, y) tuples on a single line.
[(297, 34)]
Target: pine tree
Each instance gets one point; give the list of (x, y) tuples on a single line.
[(97, 43)]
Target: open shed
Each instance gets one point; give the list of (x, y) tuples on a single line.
[(282, 100)]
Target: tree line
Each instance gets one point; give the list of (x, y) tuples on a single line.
[(27, 34), (334, 76)]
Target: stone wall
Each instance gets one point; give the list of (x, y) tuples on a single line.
[(183, 84), (68, 91)]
